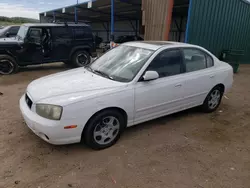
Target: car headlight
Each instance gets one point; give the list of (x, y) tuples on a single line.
[(49, 111)]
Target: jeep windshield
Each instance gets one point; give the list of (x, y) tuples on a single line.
[(22, 32), (121, 63)]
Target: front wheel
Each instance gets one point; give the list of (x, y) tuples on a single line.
[(81, 58), (8, 65), (104, 129), (213, 99)]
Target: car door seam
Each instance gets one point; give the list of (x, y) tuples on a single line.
[(173, 101)]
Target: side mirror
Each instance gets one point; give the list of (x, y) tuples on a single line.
[(7, 34), (150, 75)]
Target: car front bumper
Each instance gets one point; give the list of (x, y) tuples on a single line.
[(50, 131)]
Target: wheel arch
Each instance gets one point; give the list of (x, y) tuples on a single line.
[(222, 86), (120, 110), (8, 53), (78, 48)]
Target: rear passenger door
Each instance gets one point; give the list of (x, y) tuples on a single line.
[(61, 43), (199, 77)]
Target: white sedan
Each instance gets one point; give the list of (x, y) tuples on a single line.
[(131, 84)]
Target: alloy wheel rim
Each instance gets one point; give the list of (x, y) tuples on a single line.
[(6, 66), (214, 99), (106, 130), (82, 59)]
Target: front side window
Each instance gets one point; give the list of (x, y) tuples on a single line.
[(121, 63), (196, 60), (35, 35), (167, 63)]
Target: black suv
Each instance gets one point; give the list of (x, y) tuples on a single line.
[(34, 44)]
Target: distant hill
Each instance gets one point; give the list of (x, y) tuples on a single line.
[(17, 20)]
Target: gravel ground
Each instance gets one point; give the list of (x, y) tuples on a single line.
[(184, 150)]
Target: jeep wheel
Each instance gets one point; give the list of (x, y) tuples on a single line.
[(8, 65), (81, 58)]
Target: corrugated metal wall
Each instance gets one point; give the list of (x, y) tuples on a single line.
[(120, 28), (154, 18), (220, 24), (175, 34)]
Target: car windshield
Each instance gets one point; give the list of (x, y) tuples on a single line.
[(121, 63), (22, 32), (4, 29)]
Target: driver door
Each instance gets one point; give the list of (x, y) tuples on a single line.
[(32, 49), (162, 96)]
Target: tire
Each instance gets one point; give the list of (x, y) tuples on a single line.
[(213, 100), (96, 132), (8, 65), (81, 58)]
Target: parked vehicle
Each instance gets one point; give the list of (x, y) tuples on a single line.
[(98, 41), (34, 44), (121, 39), (9, 31), (127, 38), (132, 83)]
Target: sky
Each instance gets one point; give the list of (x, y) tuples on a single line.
[(31, 8)]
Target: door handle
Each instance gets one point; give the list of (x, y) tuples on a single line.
[(211, 76), (178, 85)]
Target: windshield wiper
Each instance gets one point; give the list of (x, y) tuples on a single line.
[(103, 74), (89, 68), (99, 73)]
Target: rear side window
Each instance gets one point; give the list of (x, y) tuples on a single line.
[(61, 33), (82, 33), (196, 60)]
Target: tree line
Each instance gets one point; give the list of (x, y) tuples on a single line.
[(17, 20)]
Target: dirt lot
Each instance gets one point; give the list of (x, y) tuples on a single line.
[(188, 149)]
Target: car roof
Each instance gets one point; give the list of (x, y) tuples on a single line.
[(54, 25), (155, 45)]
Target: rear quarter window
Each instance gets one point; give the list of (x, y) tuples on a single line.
[(61, 33), (210, 61), (82, 33)]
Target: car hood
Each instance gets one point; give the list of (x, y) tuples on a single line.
[(76, 84), (5, 42)]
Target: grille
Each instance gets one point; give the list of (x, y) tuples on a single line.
[(28, 101)]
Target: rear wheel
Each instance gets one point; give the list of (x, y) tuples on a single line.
[(8, 65), (81, 58), (213, 99)]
